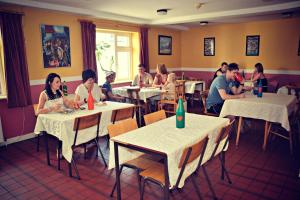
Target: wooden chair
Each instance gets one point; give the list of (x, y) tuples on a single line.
[(35, 107), (204, 95), (277, 130), (154, 117), (223, 135), (139, 163), (156, 173), (82, 123), (168, 100), (121, 114)]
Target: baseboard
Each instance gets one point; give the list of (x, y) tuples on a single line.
[(18, 139)]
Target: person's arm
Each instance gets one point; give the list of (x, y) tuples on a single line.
[(150, 80), (135, 80), (237, 90), (226, 96), (42, 100), (255, 77), (115, 97), (155, 82)]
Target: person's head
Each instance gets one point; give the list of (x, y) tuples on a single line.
[(161, 69), (53, 82), (110, 76), (259, 68), (232, 70), (224, 66), (171, 77), (52, 85), (88, 77), (141, 69)]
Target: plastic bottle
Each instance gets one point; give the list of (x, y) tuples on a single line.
[(90, 101), (180, 114), (65, 89), (260, 89)]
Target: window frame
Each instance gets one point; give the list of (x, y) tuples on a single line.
[(121, 49)]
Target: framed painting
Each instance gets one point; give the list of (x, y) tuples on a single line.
[(209, 46), (252, 45), (56, 46), (164, 45)]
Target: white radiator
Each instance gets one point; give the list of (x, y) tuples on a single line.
[(1, 133)]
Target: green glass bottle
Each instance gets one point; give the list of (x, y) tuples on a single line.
[(65, 89), (180, 114)]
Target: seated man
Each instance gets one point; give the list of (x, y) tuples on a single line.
[(143, 78), (221, 87), (110, 78), (221, 70)]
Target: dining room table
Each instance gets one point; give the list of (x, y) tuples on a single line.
[(61, 124), (271, 107), (163, 139)]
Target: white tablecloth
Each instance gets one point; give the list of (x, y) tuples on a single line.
[(271, 107), (144, 92), (191, 86), (163, 136), (61, 125)]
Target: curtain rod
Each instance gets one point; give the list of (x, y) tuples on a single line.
[(11, 12)]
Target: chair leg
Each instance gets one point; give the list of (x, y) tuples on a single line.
[(58, 154), (47, 148), (98, 149), (70, 169), (75, 168), (38, 142), (142, 189), (115, 185), (209, 183), (291, 142), (224, 170), (107, 142), (196, 187)]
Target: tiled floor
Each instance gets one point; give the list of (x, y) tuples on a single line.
[(255, 174)]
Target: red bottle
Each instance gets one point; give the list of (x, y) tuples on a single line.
[(90, 101)]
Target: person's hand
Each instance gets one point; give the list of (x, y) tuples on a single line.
[(55, 108), (242, 95), (76, 105), (247, 88)]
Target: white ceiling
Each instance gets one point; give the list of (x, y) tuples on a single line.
[(182, 12)]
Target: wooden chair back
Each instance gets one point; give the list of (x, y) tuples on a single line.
[(180, 89), (196, 150), (131, 92), (121, 114), (154, 117), (121, 127), (224, 132), (86, 121)]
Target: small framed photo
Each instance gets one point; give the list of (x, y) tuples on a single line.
[(164, 45), (209, 46), (252, 45)]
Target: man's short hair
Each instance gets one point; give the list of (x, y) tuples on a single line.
[(141, 65), (233, 66)]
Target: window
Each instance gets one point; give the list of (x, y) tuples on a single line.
[(2, 72), (114, 53)]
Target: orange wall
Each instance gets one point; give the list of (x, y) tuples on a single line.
[(170, 61), (278, 44)]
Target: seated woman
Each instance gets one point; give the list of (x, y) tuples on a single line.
[(161, 76), (110, 78), (82, 90), (258, 75), (52, 98), (221, 70)]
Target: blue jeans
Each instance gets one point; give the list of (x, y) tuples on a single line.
[(215, 109)]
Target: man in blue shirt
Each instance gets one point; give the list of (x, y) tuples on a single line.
[(110, 78), (223, 88)]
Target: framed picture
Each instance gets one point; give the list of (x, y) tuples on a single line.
[(164, 45), (252, 45), (56, 46), (209, 46)]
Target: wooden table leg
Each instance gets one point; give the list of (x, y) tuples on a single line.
[(166, 171), (267, 124), (117, 170), (238, 131)]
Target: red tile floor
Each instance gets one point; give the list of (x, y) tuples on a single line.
[(255, 174)]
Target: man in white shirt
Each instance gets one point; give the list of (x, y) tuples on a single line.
[(143, 79), (88, 85)]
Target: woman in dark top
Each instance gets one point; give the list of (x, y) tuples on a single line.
[(221, 70), (161, 76), (259, 76)]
